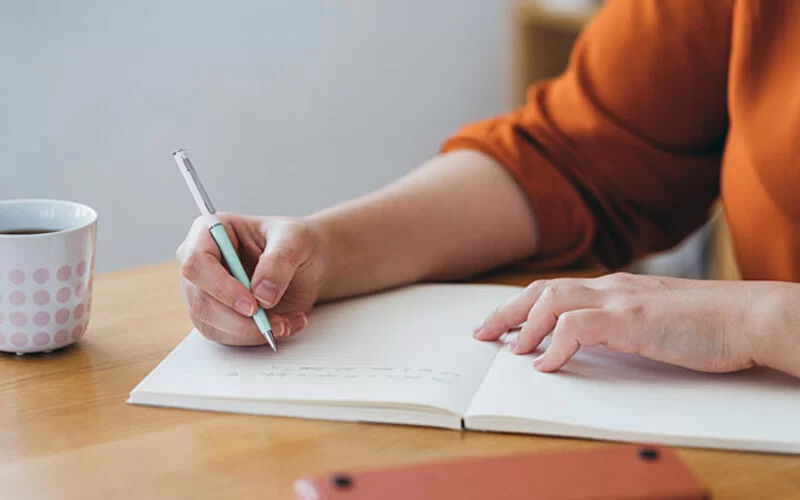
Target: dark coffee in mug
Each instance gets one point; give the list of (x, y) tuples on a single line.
[(28, 231)]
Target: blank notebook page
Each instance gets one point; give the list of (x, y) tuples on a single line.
[(616, 395), (410, 346)]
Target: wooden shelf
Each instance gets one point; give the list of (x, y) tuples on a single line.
[(544, 39), (569, 20)]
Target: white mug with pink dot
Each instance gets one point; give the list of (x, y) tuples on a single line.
[(47, 251)]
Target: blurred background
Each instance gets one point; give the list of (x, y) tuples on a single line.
[(284, 107)]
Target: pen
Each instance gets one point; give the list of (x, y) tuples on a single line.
[(217, 231)]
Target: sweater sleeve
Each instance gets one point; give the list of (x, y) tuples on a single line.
[(620, 155)]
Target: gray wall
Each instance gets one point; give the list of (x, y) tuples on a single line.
[(286, 107)]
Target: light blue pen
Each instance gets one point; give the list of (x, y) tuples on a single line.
[(220, 236)]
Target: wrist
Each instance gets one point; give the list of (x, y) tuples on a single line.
[(329, 245), (775, 333)]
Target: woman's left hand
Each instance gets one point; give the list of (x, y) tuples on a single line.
[(711, 326)]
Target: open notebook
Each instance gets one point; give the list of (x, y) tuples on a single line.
[(407, 356)]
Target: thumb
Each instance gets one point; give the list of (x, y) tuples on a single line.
[(287, 247)]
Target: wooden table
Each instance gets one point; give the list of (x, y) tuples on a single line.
[(66, 431)]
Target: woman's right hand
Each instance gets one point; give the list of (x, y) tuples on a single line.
[(286, 260)]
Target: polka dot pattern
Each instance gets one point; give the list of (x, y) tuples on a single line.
[(61, 336), (41, 276), (77, 332), (17, 298), (44, 307), (41, 298), (19, 339), (16, 276), (41, 318), (41, 339), (64, 273), (62, 316), (18, 319)]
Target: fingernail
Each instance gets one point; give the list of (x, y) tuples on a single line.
[(539, 362), (244, 307), (476, 332), (513, 346), (277, 329), (299, 322), (266, 292), (287, 328)]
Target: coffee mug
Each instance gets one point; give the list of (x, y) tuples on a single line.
[(47, 251)]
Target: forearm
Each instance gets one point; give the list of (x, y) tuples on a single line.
[(457, 215)]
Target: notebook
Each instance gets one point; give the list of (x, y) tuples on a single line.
[(407, 356)]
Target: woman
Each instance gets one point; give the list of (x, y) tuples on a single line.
[(665, 107)]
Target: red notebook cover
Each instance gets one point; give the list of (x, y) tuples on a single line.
[(620, 472)]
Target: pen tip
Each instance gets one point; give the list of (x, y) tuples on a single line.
[(271, 341)]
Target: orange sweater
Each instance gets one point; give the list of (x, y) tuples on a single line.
[(666, 106)]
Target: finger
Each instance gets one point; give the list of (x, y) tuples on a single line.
[(281, 329), (575, 329), (511, 313), (287, 248), (281, 326), (221, 324), (298, 322), (199, 238), (202, 267), (221, 337), (554, 301)]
